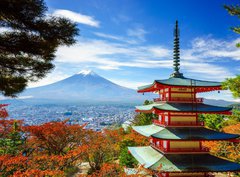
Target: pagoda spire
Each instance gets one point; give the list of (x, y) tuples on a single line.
[(176, 53)]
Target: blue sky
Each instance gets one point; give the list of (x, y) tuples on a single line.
[(130, 41)]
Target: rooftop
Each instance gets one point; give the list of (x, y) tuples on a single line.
[(182, 133), (155, 160), (182, 107), (174, 81)]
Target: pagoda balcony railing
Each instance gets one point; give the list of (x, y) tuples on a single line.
[(178, 123), (196, 100), (175, 150)]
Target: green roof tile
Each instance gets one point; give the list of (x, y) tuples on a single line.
[(183, 82), (184, 107), (148, 130), (182, 133), (193, 133), (155, 160)]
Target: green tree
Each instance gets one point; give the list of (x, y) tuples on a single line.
[(28, 44), (235, 11), (143, 119), (125, 158), (213, 121), (233, 84), (13, 142)]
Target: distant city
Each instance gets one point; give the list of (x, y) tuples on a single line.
[(88, 97), (97, 116)]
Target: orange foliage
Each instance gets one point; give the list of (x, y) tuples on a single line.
[(109, 169), (6, 126), (137, 138), (115, 170), (99, 149), (232, 129), (225, 149), (55, 137), (52, 165), (53, 147), (3, 111), (39, 173)]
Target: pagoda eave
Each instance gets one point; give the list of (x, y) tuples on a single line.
[(182, 134), (158, 86), (158, 111), (159, 162)]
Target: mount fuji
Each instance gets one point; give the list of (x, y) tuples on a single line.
[(85, 86)]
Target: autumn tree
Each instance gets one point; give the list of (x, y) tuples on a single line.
[(226, 149), (99, 150), (49, 165), (52, 149), (28, 43), (55, 137)]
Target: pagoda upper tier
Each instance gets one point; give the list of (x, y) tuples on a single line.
[(181, 82)]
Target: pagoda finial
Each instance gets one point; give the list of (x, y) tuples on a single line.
[(176, 53)]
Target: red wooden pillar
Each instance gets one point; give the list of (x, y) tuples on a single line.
[(170, 94), (169, 118), (168, 145)]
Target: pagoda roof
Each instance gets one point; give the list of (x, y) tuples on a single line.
[(154, 160), (182, 133), (179, 81), (182, 107)]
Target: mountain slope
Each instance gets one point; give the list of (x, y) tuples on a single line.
[(84, 86)]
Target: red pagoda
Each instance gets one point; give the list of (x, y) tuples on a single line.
[(176, 136)]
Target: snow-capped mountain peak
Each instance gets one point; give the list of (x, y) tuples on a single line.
[(86, 72)]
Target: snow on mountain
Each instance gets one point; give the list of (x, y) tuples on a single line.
[(85, 86), (86, 72)]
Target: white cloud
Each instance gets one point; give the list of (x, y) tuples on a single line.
[(114, 55), (212, 49), (117, 38), (106, 55), (137, 32), (108, 36), (77, 17), (128, 84), (206, 70), (109, 55), (158, 51)]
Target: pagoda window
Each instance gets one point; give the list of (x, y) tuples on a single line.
[(167, 95), (160, 118), (165, 144), (166, 118)]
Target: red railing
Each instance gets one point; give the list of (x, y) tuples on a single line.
[(163, 123), (198, 100), (174, 150)]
